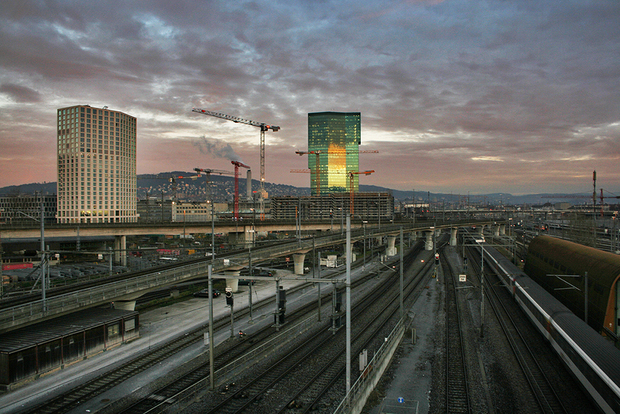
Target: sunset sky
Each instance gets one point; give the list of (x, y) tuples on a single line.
[(460, 96)]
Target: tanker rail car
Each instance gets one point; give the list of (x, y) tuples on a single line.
[(591, 358)]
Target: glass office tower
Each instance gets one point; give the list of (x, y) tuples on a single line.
[(336, 137), (96, 166)]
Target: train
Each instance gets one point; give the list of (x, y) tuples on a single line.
[(593, 360)]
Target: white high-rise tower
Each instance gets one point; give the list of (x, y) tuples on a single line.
[(96, 166)]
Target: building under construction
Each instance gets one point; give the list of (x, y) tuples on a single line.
[(366, 206)]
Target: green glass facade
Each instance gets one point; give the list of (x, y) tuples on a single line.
[(336, 137)]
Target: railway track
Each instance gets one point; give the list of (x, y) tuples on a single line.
[(518, 333), (319, 387), (457, 381), (296, 382), (73, 398)]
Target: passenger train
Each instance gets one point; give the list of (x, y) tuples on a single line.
[(593, 360)]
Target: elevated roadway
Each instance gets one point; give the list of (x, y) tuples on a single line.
[(129, 286)]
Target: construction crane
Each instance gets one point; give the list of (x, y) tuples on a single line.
[(593, 197), (351, 175), (317, 153), (237, 164), (263, 128), (207, 172)]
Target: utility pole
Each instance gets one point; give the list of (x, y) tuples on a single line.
[(319, 286), (251, 281), (413, 210), (402, 306), (43, 257), (348, 318), (364, 265), (481, 290), (210, 336)]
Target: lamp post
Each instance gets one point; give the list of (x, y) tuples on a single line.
[(480, 241), (211, 358), (44, 282), (402, 307), (348, 316), (364, 265)]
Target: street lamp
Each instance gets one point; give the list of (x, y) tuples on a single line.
[(480, 241), (44, 282)]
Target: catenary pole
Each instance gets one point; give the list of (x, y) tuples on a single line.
[(348, 288)]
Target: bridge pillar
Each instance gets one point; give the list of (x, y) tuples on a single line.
[(298, 260), (481, 230), (502, 229), (232, 283), (429, 240), (120, 250), (496, 231), (453, 236), (391, 248)]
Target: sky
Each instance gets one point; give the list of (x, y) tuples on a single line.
[(458, 96)]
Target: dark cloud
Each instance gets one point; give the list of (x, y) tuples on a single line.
[(512, 87), (20, 94)]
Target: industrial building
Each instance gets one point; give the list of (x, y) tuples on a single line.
[(96, 166), (26, 209), (334, 139)]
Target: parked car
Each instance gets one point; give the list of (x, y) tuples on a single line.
[(204, 293)]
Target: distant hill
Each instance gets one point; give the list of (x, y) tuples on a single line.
[(47, 188), (224, 186)]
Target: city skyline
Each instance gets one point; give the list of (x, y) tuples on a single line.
[(465, 97)]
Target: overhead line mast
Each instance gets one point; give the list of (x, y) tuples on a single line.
[(263, 127)]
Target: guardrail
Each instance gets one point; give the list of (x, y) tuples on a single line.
[(356, 398)]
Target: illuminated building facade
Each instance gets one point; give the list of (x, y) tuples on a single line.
[(96, 166), (336, 136)]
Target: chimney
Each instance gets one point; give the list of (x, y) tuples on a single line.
[(249, 184)]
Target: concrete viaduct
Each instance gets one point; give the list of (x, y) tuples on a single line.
[(135, 285)]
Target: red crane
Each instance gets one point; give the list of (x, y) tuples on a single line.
[(351, 182), (263, 127), (237, 164), (317, 153)]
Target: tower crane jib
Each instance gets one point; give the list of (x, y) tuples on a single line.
[(263, 128)]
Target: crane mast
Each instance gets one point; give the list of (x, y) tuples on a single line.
[(237, 164), (263, 128), (351, 179), (207, 172)]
